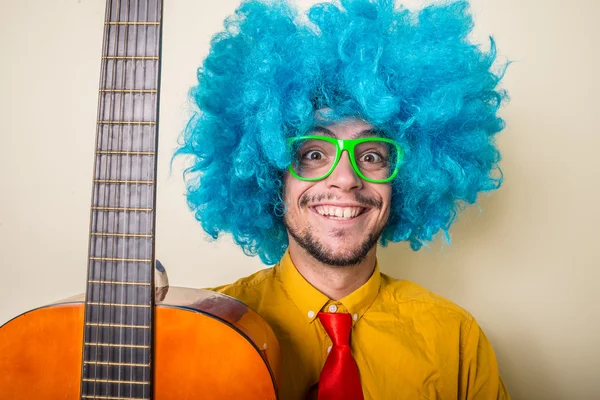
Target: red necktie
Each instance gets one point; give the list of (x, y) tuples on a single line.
[(339, 378)]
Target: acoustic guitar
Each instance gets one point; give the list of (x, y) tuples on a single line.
[(125, 339)]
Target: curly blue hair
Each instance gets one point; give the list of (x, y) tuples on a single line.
[(412, 74)]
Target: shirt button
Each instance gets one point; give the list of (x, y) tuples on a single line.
[(311, 314), (332, 308), (355, 317)]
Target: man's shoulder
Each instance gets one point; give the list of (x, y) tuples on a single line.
[(406, 294), (254, 283)]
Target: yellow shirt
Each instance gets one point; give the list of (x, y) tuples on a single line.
[(408, 342)]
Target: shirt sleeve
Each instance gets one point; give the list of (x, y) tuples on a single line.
[(479, 376)]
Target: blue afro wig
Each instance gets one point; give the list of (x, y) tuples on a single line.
[(412, 74)]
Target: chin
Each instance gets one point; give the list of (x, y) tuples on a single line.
[(337, 253)]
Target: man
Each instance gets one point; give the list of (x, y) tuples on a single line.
[(317, 139)]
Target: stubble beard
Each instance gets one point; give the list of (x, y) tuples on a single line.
[(315, 248)]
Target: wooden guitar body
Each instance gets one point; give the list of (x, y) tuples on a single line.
[(197, 334)]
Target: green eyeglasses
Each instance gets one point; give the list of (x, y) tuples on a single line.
[(374, 159)]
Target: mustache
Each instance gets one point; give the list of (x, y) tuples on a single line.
[(359, 198)]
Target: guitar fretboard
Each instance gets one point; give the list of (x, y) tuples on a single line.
[(119, 296)]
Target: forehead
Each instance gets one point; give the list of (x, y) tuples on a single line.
[(348, 128)]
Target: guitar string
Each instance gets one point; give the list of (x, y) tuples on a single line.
[(151, 167), (136, 190), (105, 214), (120, 266), (114, 263), (108, 305), (149, 268), (134, 355), (95, 202)]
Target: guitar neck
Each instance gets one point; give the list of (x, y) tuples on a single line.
[(119, 296)]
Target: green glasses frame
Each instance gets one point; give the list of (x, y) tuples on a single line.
[(348, 145)]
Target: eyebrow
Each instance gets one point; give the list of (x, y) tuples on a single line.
[(361, 134), (324, 130)]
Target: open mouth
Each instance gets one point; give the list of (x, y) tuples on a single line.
[(339, 213)]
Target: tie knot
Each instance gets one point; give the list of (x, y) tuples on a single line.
[(337, 326)]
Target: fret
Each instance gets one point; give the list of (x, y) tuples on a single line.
[(127, 122), (125, 108), (100, 389), (111, 266), (113, 398), (115, 352), (132, 252), (138, 372), (120, 240), (120, 283), (119, 305), (105, 282), (137, 38), (132, 23), (124, 181), (126, 153), (113, 333), (116, 364), (102, 371), (112, 171), (115, 381), (132, 235), (129, 346), (122, 209), (133, 300), (155, 58), (118, 325), (137, 260), (103, 276), (128, 91)]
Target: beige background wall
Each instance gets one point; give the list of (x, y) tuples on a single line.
[(526, 263)]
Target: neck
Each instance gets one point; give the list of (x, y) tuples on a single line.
[(333, 281)]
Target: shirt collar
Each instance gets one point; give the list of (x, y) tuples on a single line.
[(358, 302), (310, 301)]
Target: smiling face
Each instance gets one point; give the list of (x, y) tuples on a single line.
[(339, 219)]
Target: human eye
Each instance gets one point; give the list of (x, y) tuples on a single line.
[(372, 157), (313, 155)]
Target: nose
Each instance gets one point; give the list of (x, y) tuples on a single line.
[(343, 176)]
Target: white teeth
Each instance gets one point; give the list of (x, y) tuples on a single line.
[(338, 212)]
